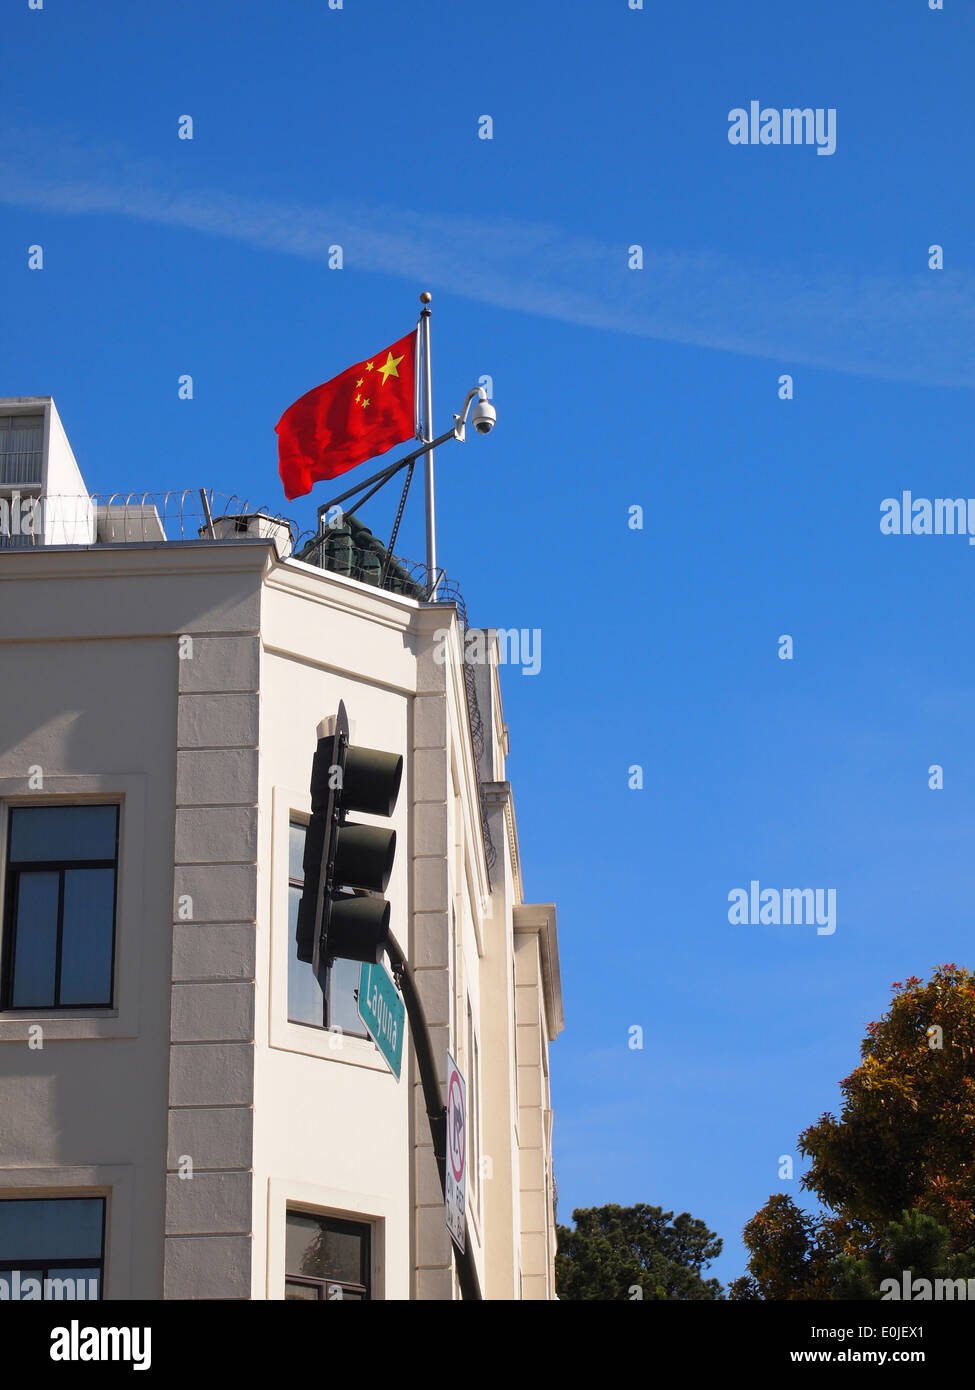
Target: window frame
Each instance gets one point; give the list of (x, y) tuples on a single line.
[(41, 1268), (11, 422), (350, 1225), (12, 871)]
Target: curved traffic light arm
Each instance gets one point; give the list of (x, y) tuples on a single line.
[(436, 1110)]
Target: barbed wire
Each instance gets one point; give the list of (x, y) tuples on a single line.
[(130, 517)]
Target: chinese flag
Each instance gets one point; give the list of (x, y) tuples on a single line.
[(355, 416)]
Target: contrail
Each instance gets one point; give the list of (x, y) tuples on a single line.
[(899, 327)]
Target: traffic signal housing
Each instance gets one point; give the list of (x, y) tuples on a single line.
[(343, 914)]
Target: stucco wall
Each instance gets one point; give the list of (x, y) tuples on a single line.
[(332, 1122), (61, 1122), (89, 648)]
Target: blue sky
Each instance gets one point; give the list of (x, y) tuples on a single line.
[(613, 387)]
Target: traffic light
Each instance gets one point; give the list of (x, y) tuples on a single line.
[(343, 914)]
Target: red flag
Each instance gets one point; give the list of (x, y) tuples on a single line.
[(355, 416)]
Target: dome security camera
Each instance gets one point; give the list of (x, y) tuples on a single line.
[(484, 417)]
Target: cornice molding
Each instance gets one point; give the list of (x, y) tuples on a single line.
[(540, 918)]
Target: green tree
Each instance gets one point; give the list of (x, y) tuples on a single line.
[(916, 1244), (797, 1256), (791, 1253), (635, 1252), (896, 1172), (905, 1140)]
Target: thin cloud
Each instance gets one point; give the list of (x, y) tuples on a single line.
[(909, 327)]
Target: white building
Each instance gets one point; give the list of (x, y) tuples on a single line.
[(175, 1120)]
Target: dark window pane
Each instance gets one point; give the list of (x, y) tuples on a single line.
[(304, 1292), (55, 1229), (35, 940), (63, 832), (296, 851), (305, 1000), (87, 933), (302, 1233), (324, 1249), (22, 422), (342, 1012)]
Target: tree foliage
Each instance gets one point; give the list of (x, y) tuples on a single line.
[(918, 1244), (905, 1139), (635, 1252), (896, 1167), (796, 1256), (791, 1253)]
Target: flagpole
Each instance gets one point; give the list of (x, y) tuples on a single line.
[(425, 299)]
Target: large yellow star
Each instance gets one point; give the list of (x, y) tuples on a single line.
[(388, 368)]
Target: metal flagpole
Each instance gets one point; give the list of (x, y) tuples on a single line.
[(425, 299)]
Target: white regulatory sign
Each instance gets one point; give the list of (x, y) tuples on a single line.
[(455, 1190)]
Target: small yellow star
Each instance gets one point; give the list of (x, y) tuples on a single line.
[(365, 403), (388, 368), (358, 398), (369, 366), (359, 382)]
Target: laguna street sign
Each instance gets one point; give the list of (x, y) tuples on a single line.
[(382, 1011)]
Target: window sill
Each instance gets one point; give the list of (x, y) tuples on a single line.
[(60, 1025), (328, 1045)]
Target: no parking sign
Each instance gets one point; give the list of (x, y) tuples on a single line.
[(455, 1186)]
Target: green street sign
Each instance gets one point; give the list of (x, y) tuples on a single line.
[(381, 1010)]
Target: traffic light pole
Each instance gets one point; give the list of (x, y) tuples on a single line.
[(436, 1111), (342, 914)]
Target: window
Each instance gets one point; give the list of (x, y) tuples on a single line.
[(21, 449), (326, 1258), (328, 1001), (59, 926), (51, 1248)]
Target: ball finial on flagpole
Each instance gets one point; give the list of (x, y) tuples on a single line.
[(425, 297)]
